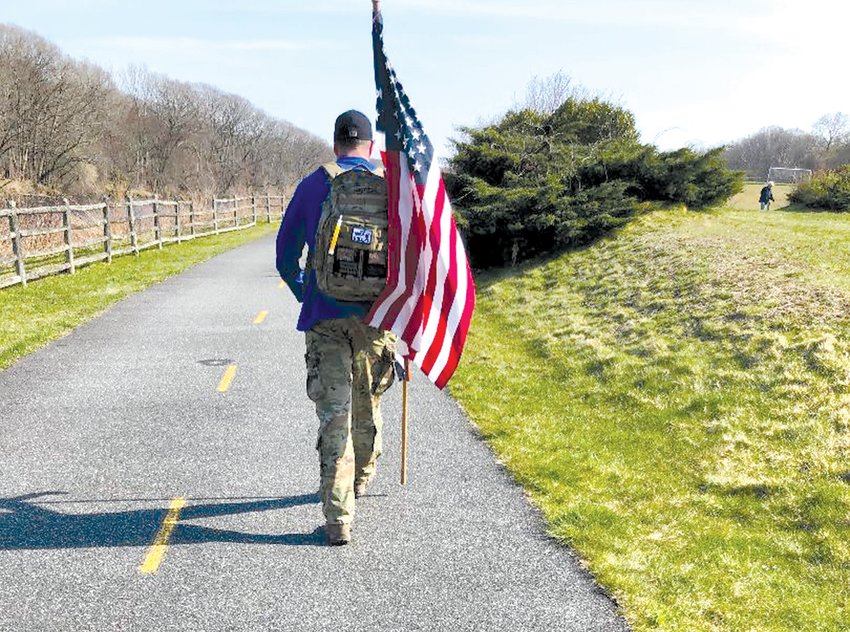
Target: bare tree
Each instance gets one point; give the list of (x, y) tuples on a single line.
[(52, 108), (833, 128), (547, 94)]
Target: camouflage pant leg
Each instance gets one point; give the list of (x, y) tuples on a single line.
[(346, 362), (329, 359), (372, 371)]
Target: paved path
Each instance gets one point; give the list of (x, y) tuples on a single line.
[(101, 430)]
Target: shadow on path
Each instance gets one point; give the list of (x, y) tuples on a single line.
[(29, 525)]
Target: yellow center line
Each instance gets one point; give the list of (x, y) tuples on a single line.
[(261, 317), (227, 378), (281, 285), (156, 552)]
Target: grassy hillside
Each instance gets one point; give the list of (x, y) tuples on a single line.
[(676, 399)]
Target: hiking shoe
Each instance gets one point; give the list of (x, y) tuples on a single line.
[(338, 534), (361, 486)]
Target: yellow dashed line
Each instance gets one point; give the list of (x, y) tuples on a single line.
[(227, 378), (261, 317), (156, 552)]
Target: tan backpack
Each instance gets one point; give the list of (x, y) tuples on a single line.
[(350, 256)]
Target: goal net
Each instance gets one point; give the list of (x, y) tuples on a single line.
[(793, 175)]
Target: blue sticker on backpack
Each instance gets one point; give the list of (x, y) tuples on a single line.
[(361, 235)]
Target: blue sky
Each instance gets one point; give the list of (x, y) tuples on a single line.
[(692, 72)]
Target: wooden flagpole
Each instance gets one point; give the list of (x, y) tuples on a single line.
[(404, 421)]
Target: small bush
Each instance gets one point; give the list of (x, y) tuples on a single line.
[(828, 190)]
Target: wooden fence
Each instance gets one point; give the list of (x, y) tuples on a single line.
[(40, 241)]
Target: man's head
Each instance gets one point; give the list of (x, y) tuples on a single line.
[(353, 134)]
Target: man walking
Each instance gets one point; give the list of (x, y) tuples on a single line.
[(349, 364), (766, 196)]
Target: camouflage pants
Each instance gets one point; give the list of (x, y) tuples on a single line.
[(349, 366)]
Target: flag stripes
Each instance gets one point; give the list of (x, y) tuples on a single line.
[(430, 294)]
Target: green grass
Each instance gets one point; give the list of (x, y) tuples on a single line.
[(51, 307), (676, 400)]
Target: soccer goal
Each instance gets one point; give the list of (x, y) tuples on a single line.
[(793, 175)]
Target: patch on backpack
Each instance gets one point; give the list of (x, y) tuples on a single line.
[(361, 235)]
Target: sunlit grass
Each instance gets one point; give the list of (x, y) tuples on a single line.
[(676, 399), (32, 316)]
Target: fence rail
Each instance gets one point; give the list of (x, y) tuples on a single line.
[(41, 241)]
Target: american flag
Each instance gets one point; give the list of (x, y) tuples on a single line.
[(430, 294)]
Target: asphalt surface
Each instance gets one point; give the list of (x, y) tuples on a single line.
[(100, 430)]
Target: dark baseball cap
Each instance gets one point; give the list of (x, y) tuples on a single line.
[(352, 125)]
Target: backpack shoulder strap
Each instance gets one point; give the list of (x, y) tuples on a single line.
[(333, 170)]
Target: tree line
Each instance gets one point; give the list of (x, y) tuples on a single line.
[(69, 126), (825, 147)]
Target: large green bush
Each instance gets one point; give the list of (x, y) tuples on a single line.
[(533, 183), (826, 190)]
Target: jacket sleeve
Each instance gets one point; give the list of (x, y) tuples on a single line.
[(290, 244)]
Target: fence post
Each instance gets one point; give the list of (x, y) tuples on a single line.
[(69, 252), (17, 249), (107, 230), (177, 220), (192, 218), (157, 226), (254, 206), (131, 220), (268, 207), (215, 217)]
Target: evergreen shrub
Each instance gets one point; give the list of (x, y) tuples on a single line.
[(534, 183), (826, 190)]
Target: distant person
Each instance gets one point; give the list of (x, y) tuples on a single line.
[(766, 196), (349, 363)]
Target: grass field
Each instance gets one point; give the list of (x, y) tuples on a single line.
[(676, 400), (49, 308)]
